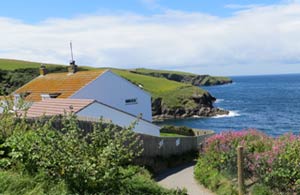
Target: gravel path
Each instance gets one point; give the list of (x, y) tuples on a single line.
[(182, 177)]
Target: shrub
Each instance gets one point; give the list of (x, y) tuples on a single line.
[(180, 130), (87, 162), (261, 189), (282, 165), (213, 179), (273, 163), (142, 183), (16, 183)]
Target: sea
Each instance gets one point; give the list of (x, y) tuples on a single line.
[(269, 103)]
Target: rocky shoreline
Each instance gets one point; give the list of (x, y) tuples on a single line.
[(204, 108)]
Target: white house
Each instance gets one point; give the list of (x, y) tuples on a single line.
[(113, 95)]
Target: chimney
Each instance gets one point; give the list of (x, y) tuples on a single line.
[(43, 70), (72, 68)]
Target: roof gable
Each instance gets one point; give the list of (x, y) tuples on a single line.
[(63, 84)]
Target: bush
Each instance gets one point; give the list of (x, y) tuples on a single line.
[(142, 183), (39, 159), (261, 189), (87, 162), (213, 179), (273, 163), (180, 130), (16, 183)]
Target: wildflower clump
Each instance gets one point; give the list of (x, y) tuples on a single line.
[(273, 163)]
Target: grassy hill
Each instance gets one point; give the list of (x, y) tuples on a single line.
[(9, 64)]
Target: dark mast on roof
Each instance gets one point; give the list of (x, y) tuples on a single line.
[(73, 67)]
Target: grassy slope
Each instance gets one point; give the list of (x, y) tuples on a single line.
[(7, 64), (173, 93)]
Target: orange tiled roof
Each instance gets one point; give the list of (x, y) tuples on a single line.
[(51, 107), (62, 83)]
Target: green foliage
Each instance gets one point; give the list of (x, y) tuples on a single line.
[(272, 163), (282, 171), (180, 130), (87, 162), (36, 158), (261, 189), (12, 183), (213, 179), (170, 135), (9, 64), (142, 183)]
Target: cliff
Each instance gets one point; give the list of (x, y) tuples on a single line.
[(202, 107)]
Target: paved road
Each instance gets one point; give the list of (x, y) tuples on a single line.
[(182, 177)]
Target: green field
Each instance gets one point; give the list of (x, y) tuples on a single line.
[(7, 64)]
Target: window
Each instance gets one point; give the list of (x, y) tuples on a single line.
[(49, 96), (131, 101)]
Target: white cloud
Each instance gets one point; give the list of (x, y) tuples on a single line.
[(255, 37), (240, 6)]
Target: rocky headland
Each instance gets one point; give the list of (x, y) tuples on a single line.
[(194, 79), (203, 107)]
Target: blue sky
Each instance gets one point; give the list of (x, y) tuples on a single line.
[(37, 10), (206, 37)]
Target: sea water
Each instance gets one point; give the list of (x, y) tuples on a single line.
[(267, 103)]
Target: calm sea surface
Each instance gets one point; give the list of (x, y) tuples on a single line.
[(267, 103)]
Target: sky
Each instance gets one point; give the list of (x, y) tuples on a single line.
[(214, 37)]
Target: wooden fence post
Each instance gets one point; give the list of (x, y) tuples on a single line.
[(240, 165)]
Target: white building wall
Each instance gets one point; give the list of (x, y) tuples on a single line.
[(114, 90), (97, 110)]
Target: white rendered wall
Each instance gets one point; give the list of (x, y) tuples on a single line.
[(113, 90), (97, 110)]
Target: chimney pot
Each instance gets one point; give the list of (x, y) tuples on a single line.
[(72, 68), (43, 70)]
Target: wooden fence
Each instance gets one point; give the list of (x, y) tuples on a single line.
[(167, 146)]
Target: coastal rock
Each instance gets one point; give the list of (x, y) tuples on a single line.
[(203, 108)]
